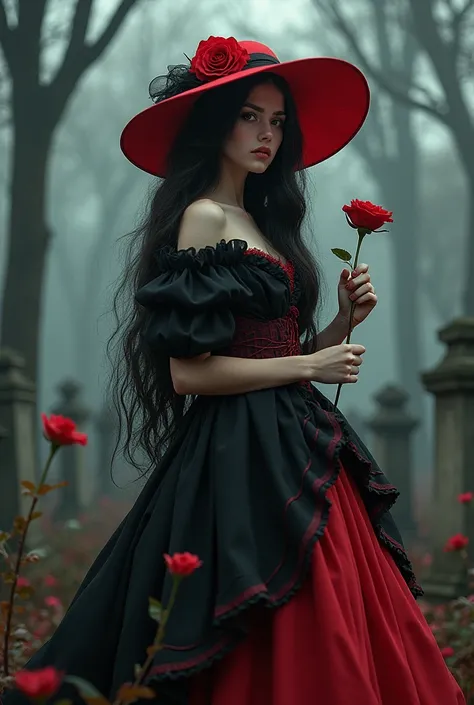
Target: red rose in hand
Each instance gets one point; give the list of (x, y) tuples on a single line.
[(182, 564), (38, 684), (364, 214), (217, 56), (465, 497), (456, 543), (61, 431)]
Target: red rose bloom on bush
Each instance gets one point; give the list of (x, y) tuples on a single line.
[(217, 56), (38, 684), (447, 652), (61, 431), (364, 214), (465, 497), (456, 543), (182, 564)]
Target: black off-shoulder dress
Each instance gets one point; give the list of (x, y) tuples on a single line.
[(306, 594)]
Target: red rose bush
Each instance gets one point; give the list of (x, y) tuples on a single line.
[(21, 640), (453, 623)]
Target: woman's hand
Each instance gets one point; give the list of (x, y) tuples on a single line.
[(356, 288), (338, 364)]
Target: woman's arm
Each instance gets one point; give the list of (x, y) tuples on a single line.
[(334, 334), (215, 375)]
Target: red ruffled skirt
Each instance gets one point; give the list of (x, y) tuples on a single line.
[(353, 634)]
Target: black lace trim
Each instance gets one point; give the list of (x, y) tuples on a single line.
[(226, 253), (223, 253), (387, 493)]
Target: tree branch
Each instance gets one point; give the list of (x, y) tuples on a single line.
[(73, 62), (445, 65), (6, 35), (111, 30), (371, 143), (79, 55), (431, 108), (457, 26)]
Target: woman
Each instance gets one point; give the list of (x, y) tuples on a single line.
[(305, 593)]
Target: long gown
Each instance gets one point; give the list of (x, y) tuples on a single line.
[(306, 595)]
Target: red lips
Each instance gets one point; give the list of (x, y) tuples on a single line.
[(262, 150)]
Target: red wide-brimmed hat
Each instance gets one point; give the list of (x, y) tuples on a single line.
[(331, 95)]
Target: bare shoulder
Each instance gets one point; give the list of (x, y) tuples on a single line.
[(203, 223)]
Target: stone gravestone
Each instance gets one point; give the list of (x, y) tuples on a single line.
[(452, 384), (72, 459), (17, 446), (392, 428)]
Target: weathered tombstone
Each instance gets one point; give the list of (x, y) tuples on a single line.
[(392, 428), (17, 446), (72, 459), (452, 384)]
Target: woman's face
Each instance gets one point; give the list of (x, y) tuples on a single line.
[(258, 132)]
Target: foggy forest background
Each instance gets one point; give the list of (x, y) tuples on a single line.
[(415, 156)]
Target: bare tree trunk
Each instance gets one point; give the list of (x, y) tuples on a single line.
[(468, 296), (37, 110), (402, 200), (28, 238)]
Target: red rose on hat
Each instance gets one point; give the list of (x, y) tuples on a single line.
[(217, 56)]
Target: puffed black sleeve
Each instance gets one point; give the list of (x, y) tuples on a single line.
[(191, 304)]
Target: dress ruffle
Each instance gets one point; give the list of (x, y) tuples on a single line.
[(191, 304)]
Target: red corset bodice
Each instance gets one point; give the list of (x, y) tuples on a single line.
[(278, 337)]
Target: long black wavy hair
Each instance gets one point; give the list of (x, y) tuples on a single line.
[(140, 384)]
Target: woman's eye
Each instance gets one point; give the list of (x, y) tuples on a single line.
[(247, 116)]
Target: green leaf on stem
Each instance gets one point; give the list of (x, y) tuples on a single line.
[(19, 524), (155, 609), (87, 691), (25, 592), (342, 254), (36, 515), (44, 489), (30, 486)]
